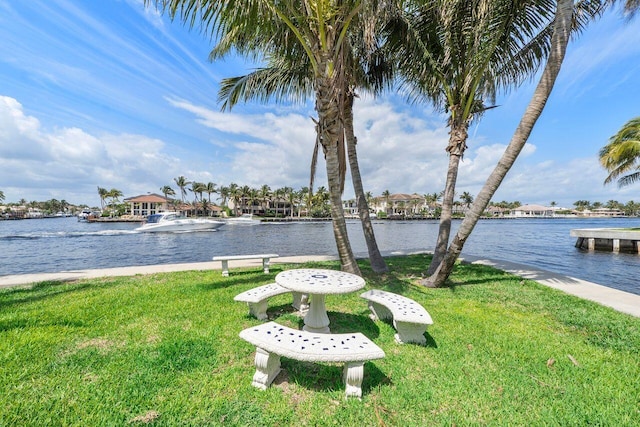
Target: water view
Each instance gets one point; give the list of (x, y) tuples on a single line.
[(50, 245)]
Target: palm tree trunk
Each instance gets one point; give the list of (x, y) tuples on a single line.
[(457, 145), (329, 126), (378, 265), (559, 43)]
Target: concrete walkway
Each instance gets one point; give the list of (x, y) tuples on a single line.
[(624, 302)]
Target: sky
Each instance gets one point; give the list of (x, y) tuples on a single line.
[(113, 94)]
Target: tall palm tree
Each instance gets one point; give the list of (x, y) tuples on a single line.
[(182, 184), (466, 198), (235, 196), (210, 188), (167, 191), (1, 196), (197, 188), (561, 28), (114, 194), (319, 29), (287, 78), (265, 196), (459, 53), (621, 156), (223, 193), (103, 193)]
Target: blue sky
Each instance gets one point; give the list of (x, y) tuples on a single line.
[(112, 94)]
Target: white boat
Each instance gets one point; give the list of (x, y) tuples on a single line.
[(84, 215), (244, 219), (173, 222)]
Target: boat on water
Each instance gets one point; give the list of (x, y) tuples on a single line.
[(244, 219), (84, 215), (173, 222)]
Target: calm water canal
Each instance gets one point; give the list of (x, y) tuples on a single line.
[(59, 244)]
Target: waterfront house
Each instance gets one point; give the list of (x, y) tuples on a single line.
[(148, 204), (602, 213), (532, 211)]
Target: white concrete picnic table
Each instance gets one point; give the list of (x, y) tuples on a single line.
[(317, 283)]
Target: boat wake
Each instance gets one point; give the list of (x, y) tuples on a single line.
[(65, 234)]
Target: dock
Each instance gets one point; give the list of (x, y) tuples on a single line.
[(608, 239)]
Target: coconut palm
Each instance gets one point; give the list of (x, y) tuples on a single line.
[(1, 196), (167, 191), (103, 193), (561, 28), (197, 188), (210, 188), (223, 193), (466, 198), (235, 196), (317, 28), (621, 156), (284, 75), (466, 51), (265, 196), (182, 184), (114, 194)]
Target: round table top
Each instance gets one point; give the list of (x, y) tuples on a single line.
[(319, 281)]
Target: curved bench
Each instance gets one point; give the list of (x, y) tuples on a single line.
[(410, 319), (273, 340), (256, 299)]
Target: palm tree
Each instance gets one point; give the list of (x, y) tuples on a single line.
[(621, 156), (466, 198), (317, 28), (235, 196), (197, 188), (167, 191), (254, 195), (223, 192), (378, 264), (466, 51), (103, 193), (114, 194), (265, 196), (582, 204), (182, 183), (210, 188), (1, 196), (560, 38), (386, 194)]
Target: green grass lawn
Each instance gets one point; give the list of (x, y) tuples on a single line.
[(164, 349)]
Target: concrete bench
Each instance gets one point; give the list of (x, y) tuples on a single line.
[(410, 319), (256, 299), (273, 340), (225, 261)]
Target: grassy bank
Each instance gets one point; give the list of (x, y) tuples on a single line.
[(164, 350)]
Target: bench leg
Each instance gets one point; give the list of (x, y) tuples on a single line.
[(300, 302), (379, 311), (410, 332), (258, 309), (267, 368), (353, 374), (225, 268), (265, 265)]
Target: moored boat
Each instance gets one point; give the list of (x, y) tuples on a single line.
[(173, 222), (244, 219)]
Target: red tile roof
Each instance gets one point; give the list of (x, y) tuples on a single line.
[(147, 198)]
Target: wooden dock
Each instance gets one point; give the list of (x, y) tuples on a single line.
[(608, 239)]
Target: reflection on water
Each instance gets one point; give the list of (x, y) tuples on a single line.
[(35, 246)]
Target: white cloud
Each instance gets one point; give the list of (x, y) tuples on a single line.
[(70, 163), (397, 151)]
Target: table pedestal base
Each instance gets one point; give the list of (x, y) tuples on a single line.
[(316, 319)]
